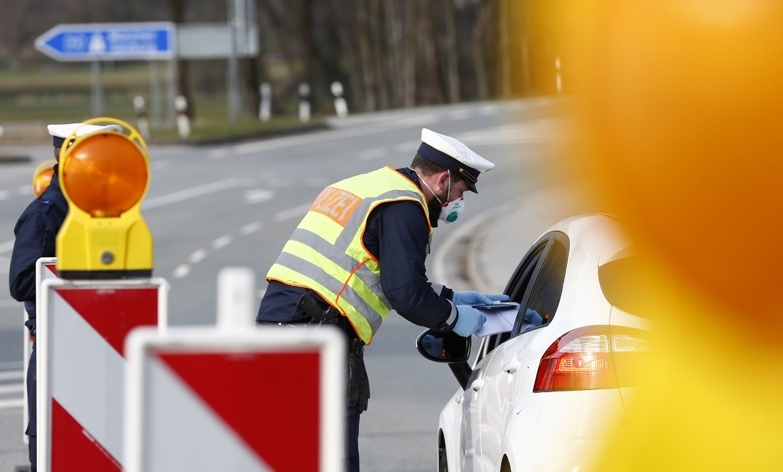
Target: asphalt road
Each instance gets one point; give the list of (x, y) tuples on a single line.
[(210, 207)]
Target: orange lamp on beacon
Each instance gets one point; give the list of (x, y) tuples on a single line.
[(42, 176), (104, 176)]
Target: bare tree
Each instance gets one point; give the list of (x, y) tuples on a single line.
[(375, 34), (450, 52), (363, 36), (395, 57), (479, 31), (411, 32), (432, 89), (177, 14)]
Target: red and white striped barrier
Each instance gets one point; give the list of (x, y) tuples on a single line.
[(241, 400), (45, 268), (82, 326)]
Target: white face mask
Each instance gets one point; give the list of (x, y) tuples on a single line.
[(450, 211)]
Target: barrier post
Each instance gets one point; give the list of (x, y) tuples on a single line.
[(236, 298), (206, 400), (304, 102), (141, 116), (265, 107), (82, 326), (340, 106), (183, 122), (45, 269)]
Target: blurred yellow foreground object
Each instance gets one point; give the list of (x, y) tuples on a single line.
[(681, 107)]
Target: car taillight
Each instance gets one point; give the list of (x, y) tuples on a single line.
[(589, 358)]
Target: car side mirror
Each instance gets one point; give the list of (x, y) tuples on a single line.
[(446, 347)]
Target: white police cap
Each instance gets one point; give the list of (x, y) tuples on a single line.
[(453, 155), (60, 132)]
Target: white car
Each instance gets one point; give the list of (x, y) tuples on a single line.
[(540, 398)]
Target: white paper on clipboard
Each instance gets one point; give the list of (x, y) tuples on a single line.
[(500, 318)]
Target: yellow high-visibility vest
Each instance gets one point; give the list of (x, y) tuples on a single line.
[(326, 253)]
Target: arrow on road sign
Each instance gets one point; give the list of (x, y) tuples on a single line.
[(109, 41)]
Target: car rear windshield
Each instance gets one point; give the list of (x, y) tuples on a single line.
[(625, 285)]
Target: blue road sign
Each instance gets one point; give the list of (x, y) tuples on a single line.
[(109, 42)]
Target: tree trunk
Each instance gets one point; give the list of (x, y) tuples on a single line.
[(505, 56), (396, 59), (409, 75), (450, 52), (362, 28), (433, 92), (482, 20), (348, 38), (177, 10), (376, 32)]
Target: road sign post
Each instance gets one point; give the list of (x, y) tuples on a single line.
[(208, 399)]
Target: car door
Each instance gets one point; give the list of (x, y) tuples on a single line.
[(470, 434), (475, 422), (505, 374)]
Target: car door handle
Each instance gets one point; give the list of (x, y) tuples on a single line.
[(511, 367), (477, 384)]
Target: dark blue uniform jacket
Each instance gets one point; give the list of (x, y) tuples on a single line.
[(397, 234), (35, 236)]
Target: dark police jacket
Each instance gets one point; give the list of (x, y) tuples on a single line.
[(35, 233), (398, 235)]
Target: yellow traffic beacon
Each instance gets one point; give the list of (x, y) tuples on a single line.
[(104, 175), (42, 176)]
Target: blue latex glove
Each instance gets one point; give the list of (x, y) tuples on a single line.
[(469, 297), (469, 320)]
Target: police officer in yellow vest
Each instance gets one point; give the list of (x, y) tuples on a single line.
[(359, 253)]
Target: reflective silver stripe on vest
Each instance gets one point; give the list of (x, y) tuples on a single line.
[(343, 260), (350, 230), (315, 241), (311, 270)]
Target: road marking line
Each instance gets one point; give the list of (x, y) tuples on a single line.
[(407, 147), (198, 256), (14, 403), (222, 242), (12, 375), (15, 388), (7, 246), (5, 265), (372, 154), (251, 228), (4, 194), (258, 195), (181, 271), (292, 212), (187, 194)]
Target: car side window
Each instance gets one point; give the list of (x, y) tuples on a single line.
[(545, 296), (541, 302)]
